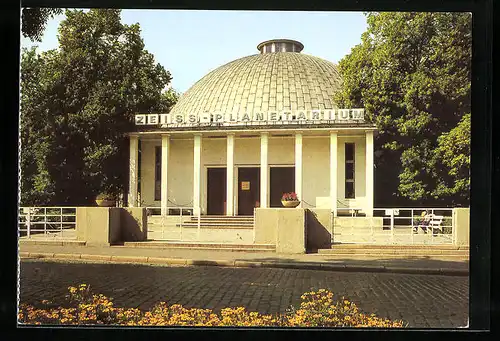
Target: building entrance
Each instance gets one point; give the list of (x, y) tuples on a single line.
[(282, 180), (216, 191), (248, 190)]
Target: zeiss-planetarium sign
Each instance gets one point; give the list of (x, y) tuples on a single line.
[(259, 118)]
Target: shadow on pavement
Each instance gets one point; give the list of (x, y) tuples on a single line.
[(410, 262)]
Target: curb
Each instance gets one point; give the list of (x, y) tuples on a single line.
[(249, 264), (52, 242)]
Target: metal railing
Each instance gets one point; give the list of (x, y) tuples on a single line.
[(54, 222), (170, 226), (393, 226)]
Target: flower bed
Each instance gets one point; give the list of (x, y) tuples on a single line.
[(317, 309)]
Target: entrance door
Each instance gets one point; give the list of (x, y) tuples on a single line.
[(248, 190), (216, 191), (282, 180)]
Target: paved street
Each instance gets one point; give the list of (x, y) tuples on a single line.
[(422, 300)]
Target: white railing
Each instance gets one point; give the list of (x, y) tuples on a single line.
[(54, 222), (394, 226), (171, 226)]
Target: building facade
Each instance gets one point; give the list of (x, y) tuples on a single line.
[(251, 130)]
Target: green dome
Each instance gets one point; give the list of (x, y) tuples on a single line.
[(264, 82)]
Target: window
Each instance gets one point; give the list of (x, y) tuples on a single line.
[(349, 171), (158, 173)]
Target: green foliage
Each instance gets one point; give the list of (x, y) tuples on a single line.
[(105, 196), (35, 19), (77, 103), (447, 225), (412, 74), (453, 152), (168, 99)]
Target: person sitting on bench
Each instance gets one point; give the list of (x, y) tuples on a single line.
[(424, 224)]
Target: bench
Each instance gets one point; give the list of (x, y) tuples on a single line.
[(435, 223)]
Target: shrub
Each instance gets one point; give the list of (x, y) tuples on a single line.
[(106, 196), (447, 228), (317, 309)]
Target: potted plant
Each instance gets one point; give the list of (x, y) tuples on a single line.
[(290, 200), (105, 199)]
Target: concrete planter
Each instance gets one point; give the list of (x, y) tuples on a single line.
[(105, 203), (289, 203)]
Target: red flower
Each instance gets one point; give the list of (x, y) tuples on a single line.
[(292, 196)]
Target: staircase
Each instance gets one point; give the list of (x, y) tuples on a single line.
[(179, 245), (220, 222), (397, 250), (231, 230)]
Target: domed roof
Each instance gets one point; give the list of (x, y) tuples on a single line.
[(264, 82)]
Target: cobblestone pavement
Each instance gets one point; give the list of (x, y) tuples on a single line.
[(424, 301)]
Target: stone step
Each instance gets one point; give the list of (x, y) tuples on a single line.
[(202, 226), (226, 217), (208, 216), (368, 228), (222, 221), (219, 223), (203, 246), (416, 250), (51, 242), (397, 247), (204, 221), (217, 226), (159, 219), (391, 251), (399, 254)]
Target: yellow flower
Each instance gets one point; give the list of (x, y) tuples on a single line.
[(316, 311)]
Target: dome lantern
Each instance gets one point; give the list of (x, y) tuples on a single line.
[(280, 45)]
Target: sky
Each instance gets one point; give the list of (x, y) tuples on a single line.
[(190, 44)]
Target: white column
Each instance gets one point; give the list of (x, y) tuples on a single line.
[(133, 171), (230, 175), (369, 174), (298, 166), (197, 174), (165, 151), (333, 172), (264, 168)]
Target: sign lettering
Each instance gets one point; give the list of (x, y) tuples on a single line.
[(301, 117), (140, 120)]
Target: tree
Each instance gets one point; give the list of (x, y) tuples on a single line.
[(168, 99), (453, 152), (78, 103), (35, 19), (412, 74), (36, 138)]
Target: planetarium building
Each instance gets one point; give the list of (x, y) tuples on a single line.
[(250, 131)]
